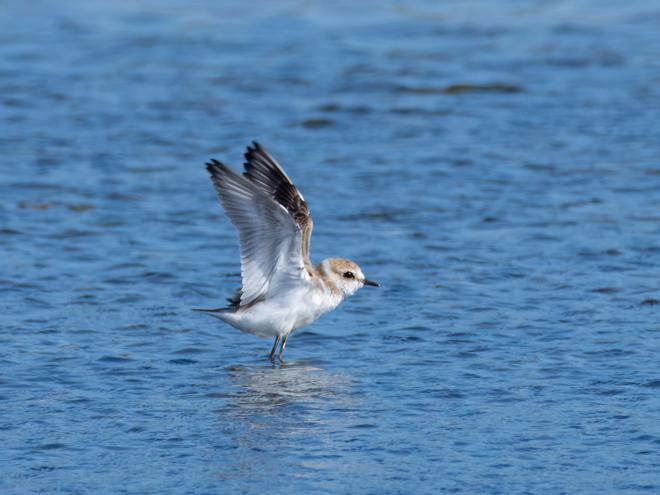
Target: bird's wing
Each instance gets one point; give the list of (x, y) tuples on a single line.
[(268, 176), (271, 238)]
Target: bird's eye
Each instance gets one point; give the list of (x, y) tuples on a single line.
[(349, 275)]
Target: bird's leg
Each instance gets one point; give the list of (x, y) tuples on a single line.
[(272, 351), (279, 355)]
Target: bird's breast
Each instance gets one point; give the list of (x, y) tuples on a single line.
[(311, 305)]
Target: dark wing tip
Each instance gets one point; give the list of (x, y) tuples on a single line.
[(252, 150), (215, 167)]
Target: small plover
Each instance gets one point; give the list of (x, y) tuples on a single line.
[(281, 290)]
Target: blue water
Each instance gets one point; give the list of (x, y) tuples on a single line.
[(494, 165)]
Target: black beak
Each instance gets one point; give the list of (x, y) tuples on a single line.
[(370, 282)]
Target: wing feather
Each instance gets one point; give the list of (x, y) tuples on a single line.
[(264, 171), (270, 238)]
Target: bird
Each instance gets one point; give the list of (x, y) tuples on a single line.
[(281, 289)]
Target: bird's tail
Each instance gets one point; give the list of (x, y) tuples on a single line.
[(228, 315), (213, 312)]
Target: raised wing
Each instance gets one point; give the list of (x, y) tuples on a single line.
[(271, 238), (268, 175)]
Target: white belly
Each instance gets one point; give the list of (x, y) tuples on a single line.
[(283, 314)]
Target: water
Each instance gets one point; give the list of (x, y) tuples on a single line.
[(494, 165)]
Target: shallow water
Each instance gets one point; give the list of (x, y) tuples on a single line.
[(494, 165)]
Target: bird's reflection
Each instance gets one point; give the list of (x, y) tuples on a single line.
[(274, 409), (265, 389)]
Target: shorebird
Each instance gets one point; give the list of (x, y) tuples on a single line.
[(281, 290)]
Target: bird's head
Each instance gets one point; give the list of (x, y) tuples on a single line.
[(345, 275)]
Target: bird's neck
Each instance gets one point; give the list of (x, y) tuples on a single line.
[(326, 282)]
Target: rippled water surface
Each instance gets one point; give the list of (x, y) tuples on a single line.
[(495, 165)]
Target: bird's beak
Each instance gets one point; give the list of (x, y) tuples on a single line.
[(370, 282)]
